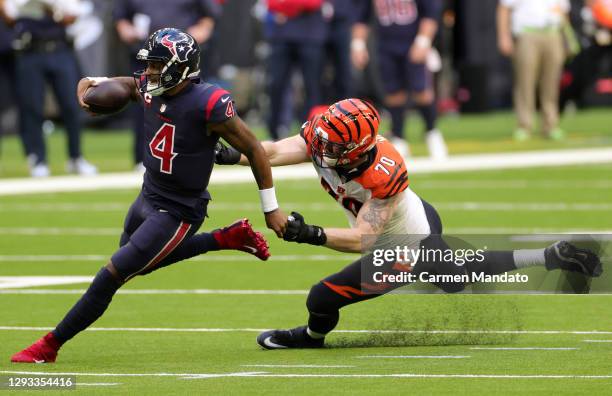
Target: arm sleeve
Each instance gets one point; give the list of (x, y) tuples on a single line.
[(219, 106)]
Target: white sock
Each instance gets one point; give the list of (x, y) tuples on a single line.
[(314, 335), (528, 257)]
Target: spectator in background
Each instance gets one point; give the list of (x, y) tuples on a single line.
[(7, 70), (136, 19), (340, 14), (530, 32), (405, 32), (45, 55), (296, 31)]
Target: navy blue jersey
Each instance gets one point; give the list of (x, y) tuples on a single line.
[(179, 147), (397, 21)]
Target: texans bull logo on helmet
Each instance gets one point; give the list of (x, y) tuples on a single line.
[(180, 45)]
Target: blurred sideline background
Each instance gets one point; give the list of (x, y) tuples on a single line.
[(473, 87)]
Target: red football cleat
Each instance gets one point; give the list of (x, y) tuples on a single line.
[(240, 236), (42, 351)]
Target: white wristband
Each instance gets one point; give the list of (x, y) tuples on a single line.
[(358, 45), (422, 41), (268, 200), (97, 80)]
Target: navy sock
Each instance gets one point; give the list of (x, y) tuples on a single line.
[(397, 120), (89, 308), (429, 114)]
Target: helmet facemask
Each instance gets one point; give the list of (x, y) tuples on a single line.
[(328, 154)]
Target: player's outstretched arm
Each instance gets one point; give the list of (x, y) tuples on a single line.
[(238, 135), (371, 220), (88, 82), (289, 151)]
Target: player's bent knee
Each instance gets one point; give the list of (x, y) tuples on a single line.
[(322, 299)]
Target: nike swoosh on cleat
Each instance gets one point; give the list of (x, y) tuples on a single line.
[(39, 361), (271, 344), (225, 99), (250, 248)]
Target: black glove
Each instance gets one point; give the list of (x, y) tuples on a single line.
[(225, 155), (300, 232)]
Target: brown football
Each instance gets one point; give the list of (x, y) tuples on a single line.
[(107, 97)]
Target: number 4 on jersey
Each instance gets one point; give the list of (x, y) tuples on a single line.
[(162, 147)]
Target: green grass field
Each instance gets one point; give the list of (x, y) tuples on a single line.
[(111, 150), (73, 234)]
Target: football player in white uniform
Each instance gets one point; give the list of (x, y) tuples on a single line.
[(366, 175)]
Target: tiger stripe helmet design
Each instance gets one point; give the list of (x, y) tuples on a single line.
[(344, 132)]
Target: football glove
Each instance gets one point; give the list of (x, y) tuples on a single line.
[(300, 232), (225, 155)]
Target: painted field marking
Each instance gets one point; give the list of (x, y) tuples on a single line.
[(524, 349), (97, 383), (115, 232), (413, 357), (254, 330), (496, 184), (202, 257), (264, 374), (160, 292), (247, 292), (236, 175), (330, 206), (603, 341), (12, 282), (297, 365)]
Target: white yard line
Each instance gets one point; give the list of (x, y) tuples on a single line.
[(15, 282), (234, 175), (297, 365), (327, 206), (271, 375), (523, 349), (72, 231), (115, 232), (371, 331), (159, 291), (496, 184), (597, 341), (248, 292), (97, 383), (413, 357), (203, 257)]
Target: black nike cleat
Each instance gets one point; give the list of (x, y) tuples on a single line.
[(565, 256), (292, 338)]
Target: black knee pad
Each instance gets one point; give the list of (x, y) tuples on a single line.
[(322, 299)]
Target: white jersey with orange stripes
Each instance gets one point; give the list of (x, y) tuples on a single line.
[(386, 177)]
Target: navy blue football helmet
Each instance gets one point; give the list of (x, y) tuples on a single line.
[(180, 55)]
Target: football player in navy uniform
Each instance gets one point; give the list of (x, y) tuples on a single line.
[(183, 121), (405, 31)]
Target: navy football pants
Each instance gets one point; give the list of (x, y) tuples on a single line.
[(151, 239)]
